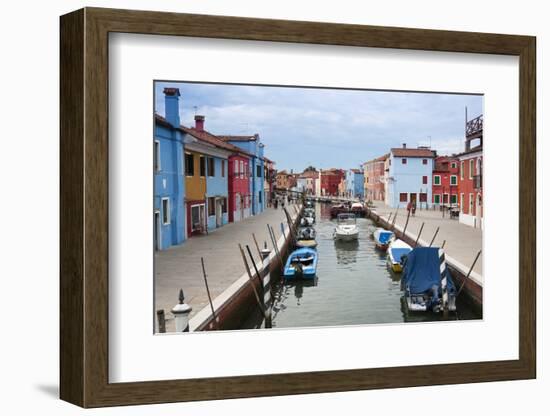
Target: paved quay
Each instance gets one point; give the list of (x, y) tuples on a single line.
[(179, 267), (462, 241)]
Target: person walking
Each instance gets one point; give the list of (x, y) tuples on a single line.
[(409, 206), (413, 208)]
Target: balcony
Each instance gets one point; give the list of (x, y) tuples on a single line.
[(478, 181), (474, 128)]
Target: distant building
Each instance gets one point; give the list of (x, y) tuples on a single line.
[(169, 185), (355, 183), (471, 175), (410, 176), (269, 180), (330, 181), (285, 180), (306, 181), (239, 187), (375, 184), (445, 181)]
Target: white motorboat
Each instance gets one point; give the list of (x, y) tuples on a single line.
[(346, 228), (396, 251)]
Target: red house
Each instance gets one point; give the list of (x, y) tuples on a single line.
[(471, 175), (445, 181), (330, 180), (238, 187)]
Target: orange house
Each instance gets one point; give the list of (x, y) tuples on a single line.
[(195, 186)]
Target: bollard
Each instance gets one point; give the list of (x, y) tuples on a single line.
[(162, 321), (181, 314)]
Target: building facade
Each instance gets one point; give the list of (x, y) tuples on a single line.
[(239, 187), (355, 187), (330, 181), (410, 176), (375, 184), (169, 185), (445, 181), (471, 175)]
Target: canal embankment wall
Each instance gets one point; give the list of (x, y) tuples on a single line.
[(238, 302)]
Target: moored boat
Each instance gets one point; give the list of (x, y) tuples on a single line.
[(346, 228), (358, 209), (397, 250), (305, 237), (337, 209), (382, 238), (426, 281), (301, 263)]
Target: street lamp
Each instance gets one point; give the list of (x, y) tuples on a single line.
[(181, 314)]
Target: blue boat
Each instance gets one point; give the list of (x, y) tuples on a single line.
[(382, 238), (301, 263), (426, 281)]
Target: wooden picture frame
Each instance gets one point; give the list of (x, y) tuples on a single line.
[(84, 207)]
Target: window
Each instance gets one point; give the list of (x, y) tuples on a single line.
[(202, 166), (462, 170), (236, 168), (223, 168), (423, 197), (403, 161), (260, 197), (189, 165), (165, 211), (471, 173), (424, 161), (453, 199), (437, 199), (437, 180), (211, 167), (453, 180), (157, 156), (403, 197), (211, 206), (471, 198), (462, 207), (424, 180), (453, 165), (224, 205), (258, 171), (241, 170)]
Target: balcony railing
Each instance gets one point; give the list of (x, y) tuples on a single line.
[(478, 181), (474, 127)]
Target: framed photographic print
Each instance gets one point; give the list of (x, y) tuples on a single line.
[(255, 207)]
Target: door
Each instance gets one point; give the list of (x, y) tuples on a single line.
[(156, 230), (412, 198), (237, 214), (219, 213)]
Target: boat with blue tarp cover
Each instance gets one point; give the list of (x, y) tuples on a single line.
[(397, 251), (426, 281), (301, 263), (382, 238)]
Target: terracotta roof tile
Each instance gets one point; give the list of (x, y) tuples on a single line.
[(400, 152)]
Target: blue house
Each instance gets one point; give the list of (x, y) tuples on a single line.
[(355, 180), (169, 185), (253, 146), (410, 176)]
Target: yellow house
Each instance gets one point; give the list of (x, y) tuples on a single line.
[(195, 188)]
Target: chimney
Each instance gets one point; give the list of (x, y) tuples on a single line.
[(404, 145), (171, 106), (199, 123)]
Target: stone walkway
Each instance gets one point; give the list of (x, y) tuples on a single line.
[(180, 267), (462, 241)]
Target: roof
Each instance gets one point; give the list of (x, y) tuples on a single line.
[(473, 150), (204, 136), (379, 159), (356, 171), (252, 138), (404, 152)]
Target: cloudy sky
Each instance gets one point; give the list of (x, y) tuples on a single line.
[(326, 127)]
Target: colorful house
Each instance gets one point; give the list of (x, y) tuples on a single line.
[(285, 180), (471, 175), (445, 181), (239, 187), (269, 180), (253, 146), (410, 176), (330, 181), (355, 179), (375, 183), (169, 186), (211, 180)]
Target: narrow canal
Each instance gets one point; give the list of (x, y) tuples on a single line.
[(354, 286)]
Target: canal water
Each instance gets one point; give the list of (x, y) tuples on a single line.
[(354, 286)]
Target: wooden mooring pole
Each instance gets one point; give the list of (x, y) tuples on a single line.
[(274, 243), (257, 246), (418, 236), (469, 272), (208, 293), (251, 281), (406, 224), (433, 238)]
